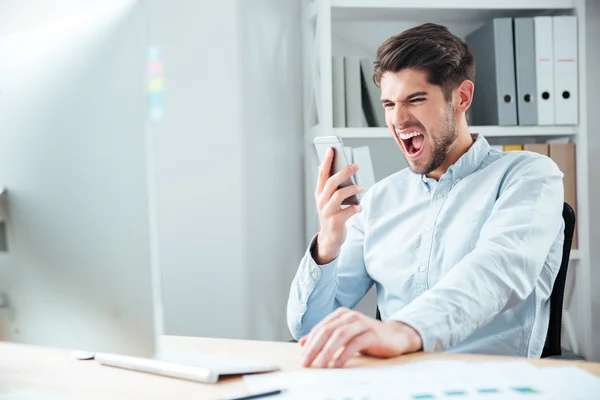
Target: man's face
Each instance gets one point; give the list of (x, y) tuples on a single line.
[(421, 120)]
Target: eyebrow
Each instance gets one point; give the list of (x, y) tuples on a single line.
[(409, 97)]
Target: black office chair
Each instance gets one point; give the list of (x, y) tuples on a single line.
[(552, 347)]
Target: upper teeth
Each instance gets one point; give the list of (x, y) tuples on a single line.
[(408, 135)]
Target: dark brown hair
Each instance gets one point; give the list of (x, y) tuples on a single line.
[(445, 58)]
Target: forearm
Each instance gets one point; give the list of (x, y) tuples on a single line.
[(312, 295), (318, 290), (496, 277), (461, 303)]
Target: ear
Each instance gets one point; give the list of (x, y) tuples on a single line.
[(463, 96)]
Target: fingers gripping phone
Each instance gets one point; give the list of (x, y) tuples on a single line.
[(322, 144)]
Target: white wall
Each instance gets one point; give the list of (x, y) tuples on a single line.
[(271, 114), (228, 158), (229, 165), (199, 169), (593, 123)]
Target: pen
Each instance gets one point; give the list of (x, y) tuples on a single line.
[(256, 395)]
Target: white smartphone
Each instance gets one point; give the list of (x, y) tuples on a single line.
[(322, 143)]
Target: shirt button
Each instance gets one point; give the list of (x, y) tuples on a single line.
[(314, 274), (438, 346), (474, 326), (422, 268), (440, 195), (457, 180)]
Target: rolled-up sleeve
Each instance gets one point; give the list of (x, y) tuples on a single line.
[(317, 290), (503, 268)]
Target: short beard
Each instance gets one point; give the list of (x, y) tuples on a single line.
[(441, 145)]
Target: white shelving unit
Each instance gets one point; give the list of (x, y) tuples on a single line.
[(358, 27), (486, 131)]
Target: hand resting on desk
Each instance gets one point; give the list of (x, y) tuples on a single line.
[(355, 332)]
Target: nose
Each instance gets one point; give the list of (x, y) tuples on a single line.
[(400, 116)]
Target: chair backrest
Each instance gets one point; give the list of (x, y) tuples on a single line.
[(552, 347)]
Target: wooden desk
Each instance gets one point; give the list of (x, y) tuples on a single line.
[(55, 373)]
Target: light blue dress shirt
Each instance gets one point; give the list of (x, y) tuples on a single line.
[(468, 261)]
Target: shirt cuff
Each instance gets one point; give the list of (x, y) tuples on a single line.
[(431, 333), (314, 274)]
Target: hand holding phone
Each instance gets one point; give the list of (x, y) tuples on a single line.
[(338, 164), (335, 187)]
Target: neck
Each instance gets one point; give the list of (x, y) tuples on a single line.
[(461, 145)]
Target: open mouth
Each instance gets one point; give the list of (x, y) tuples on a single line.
[(413, 142)]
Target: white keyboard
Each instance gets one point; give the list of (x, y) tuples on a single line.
[(191, 366)]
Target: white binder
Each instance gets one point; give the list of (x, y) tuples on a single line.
[(495, 90), (544, 67), (566, 108), (372, 95), (365, 175), (338, 91), (355, 117), (525, 71)]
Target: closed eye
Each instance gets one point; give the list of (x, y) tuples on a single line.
[(417, 100)]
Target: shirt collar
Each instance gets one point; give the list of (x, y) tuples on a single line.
[(465, 165)]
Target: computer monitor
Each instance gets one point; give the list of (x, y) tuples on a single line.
[(78, 216)]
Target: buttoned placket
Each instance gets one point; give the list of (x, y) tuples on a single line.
[(438, 196)]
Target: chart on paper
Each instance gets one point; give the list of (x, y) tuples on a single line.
[(339, 393)]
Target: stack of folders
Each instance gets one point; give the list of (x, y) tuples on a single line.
[(526, 71), (365, 176), (563, 154), (355, 96)]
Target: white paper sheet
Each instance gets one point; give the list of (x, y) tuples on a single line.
[(433, 380)]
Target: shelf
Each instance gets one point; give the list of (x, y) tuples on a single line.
[(486, 131), (441, 10), (524, 131)]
